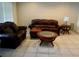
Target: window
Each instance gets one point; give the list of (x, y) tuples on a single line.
[(6, 12)]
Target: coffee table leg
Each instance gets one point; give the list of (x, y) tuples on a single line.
[(41, 42), (52, 43)]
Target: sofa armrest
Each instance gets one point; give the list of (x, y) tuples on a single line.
[(30, 26), (4, 36), (22, 27), (20, 33)]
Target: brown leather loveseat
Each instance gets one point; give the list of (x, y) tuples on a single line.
[(38, 25)]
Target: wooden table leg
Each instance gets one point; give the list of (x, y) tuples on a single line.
[(41, 42), (52, 43)]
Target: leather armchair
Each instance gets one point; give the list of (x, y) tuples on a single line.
[(11, 35)]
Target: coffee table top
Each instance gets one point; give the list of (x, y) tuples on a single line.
[(47, 34)]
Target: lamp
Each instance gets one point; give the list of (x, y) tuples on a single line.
[(66, 19)]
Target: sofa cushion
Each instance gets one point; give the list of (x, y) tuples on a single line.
[(36, 29), (39, 25), (49, 29), (20, 33), (6, 30), (52, 26), (35, 21), (13, 26), (1, 26), (44, 22), (45, 26)]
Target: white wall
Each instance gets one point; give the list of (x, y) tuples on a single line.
[(48, 10), (77, 24)]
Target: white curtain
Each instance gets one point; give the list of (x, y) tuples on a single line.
[(6, 12)]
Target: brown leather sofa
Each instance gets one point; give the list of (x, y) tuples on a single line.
[(38, 25), (11, 35)]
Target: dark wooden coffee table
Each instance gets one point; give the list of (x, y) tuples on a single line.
[(47, 36)]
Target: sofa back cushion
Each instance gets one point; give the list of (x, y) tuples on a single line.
[(52, 22), (5, 29), (8, 30), (12, 26), (35, 21), (44, 22)]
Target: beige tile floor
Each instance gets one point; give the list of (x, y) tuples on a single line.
[(64, 46)]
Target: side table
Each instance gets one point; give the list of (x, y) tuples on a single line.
[(65, 28)]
